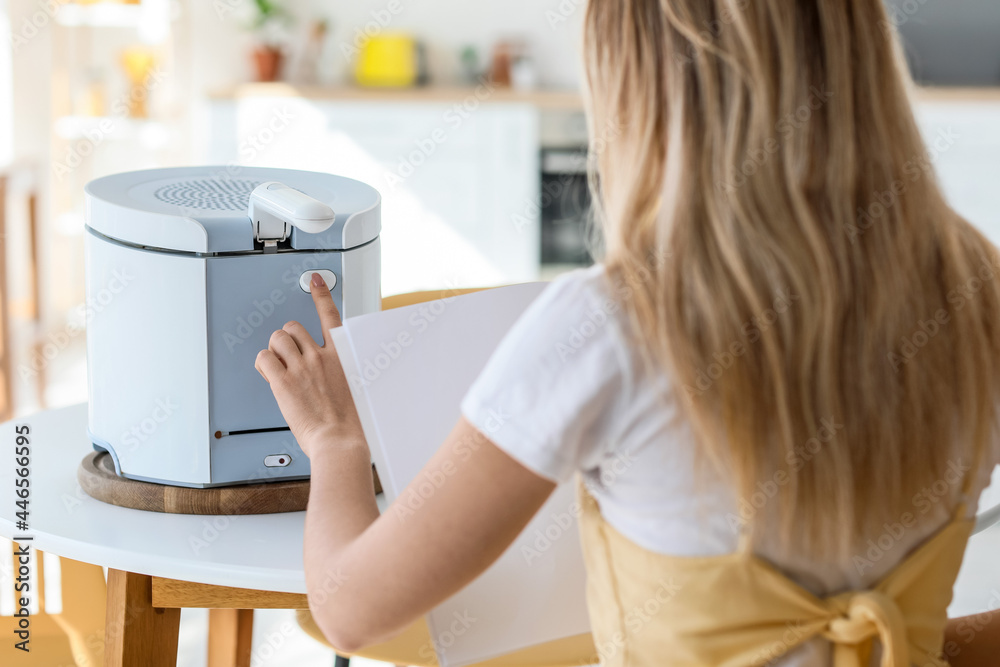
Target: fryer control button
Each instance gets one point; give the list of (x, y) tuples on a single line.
[(277, 460)]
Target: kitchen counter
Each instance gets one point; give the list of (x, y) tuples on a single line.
[(545, 99), (564, 100), (939, 94)]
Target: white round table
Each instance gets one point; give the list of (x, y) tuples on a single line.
[(160, 563), (226, 563), (260, 551)]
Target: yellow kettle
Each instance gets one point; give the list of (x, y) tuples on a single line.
[(390, 61)]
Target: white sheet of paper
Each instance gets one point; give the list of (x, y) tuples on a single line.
[(409, 369)]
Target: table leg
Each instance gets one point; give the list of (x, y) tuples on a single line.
[(230, 635), (138, 633)]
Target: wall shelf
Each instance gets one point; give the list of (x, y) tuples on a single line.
[(116, 128), (100, 15)]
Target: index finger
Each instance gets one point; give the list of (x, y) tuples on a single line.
[(329, 316)]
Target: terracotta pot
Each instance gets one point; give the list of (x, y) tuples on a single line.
[(267, 63)]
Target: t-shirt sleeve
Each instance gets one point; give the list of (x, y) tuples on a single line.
[(549, 394)]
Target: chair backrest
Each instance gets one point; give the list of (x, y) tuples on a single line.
[(6, 363), (987, 518), (411, 298), (21, 305), (66, 606)]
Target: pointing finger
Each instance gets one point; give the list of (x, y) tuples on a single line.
[(329, 316)]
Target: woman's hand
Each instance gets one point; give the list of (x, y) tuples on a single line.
[(308, 381)]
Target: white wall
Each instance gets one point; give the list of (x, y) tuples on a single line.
[(551, 27), (31, 68), (6, 92)]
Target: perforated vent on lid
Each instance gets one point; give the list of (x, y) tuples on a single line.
[(209, 194), (205, 209)]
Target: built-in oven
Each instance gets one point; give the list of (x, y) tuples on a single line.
[(565, 197), (565, 207)]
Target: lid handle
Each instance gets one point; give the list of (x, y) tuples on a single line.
[(275, 208)]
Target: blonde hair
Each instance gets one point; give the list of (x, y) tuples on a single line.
[(792, 262)]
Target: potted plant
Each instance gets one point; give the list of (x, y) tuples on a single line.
[(269, 22)]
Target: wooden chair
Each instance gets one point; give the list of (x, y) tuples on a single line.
[(72, 635), (6, 362), (411, 298), (414, 646), (28, 310)]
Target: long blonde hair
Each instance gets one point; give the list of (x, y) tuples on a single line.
[(828, 320)]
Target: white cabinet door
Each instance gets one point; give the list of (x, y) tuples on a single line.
[(964, 141), (456, 183)]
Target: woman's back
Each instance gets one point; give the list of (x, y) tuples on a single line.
[(577, 396), (768, 158)]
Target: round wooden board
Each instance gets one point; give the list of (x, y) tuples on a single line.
[(98, 479), (97, 476)]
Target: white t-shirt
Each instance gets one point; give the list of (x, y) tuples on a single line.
[(572, 395)]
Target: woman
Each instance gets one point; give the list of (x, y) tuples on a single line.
[(796, 359)]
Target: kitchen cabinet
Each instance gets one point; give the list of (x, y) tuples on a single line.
[(962, 132)]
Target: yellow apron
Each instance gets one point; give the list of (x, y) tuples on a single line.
[(737, 610)]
